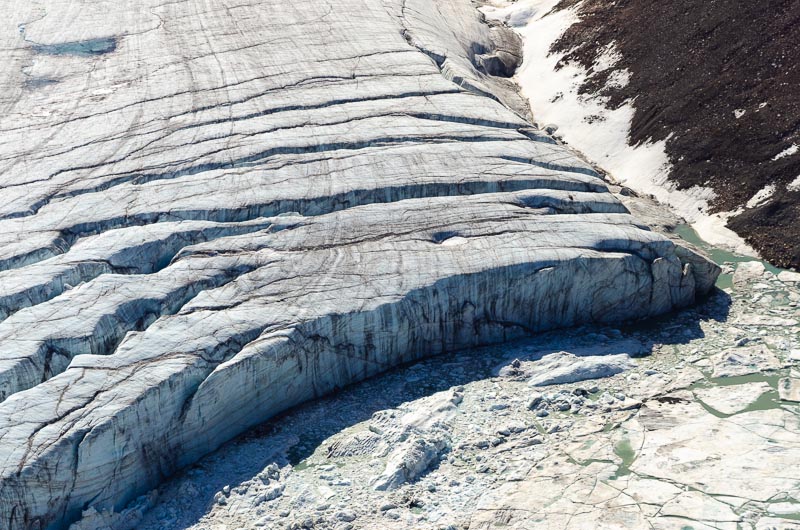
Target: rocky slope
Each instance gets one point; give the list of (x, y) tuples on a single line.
[(217, 210), (703, 93)]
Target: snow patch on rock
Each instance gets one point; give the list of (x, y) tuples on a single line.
[(789, 151), (763, 195)]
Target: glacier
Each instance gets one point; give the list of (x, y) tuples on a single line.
[(213, 211)]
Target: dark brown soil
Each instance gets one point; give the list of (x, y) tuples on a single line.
[(692, 64)]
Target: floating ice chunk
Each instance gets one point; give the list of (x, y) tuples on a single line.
[(563, 367)]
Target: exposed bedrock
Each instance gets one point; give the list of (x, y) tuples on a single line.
[(214, 211)]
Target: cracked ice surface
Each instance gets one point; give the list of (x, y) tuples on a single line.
[(464, 441), (214, 211)]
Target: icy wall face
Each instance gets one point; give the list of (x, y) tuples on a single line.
[(213, 211)]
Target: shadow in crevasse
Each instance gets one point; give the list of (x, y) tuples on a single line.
[(292, 437)]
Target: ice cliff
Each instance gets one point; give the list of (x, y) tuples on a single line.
[(212, 211)]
